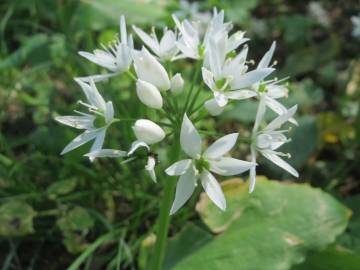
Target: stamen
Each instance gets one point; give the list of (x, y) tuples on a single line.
[(96, 112), (87, 105)]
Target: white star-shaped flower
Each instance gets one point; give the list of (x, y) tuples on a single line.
[(268, 139), (228, 78), (165, 49), (116, 57), (94, 123), (201, 164)]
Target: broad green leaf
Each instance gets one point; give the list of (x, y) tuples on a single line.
[(184, 244), (16, 218), (330, 259), (271, 229), (351, 238)]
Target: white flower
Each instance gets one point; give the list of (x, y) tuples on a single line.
[(94, 124), (191, 10), (166, 49), (189, 42), (151, 160), (199, 165), (112, 153), (149, 94), (267, 140), (228, 79), (148, 69), (116, 57), (148, 131), (356, 26), (177, 84), (271, 90)]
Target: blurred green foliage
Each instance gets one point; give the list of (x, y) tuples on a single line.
[(62, 211)]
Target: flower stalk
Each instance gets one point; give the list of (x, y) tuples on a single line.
[(164, 217)]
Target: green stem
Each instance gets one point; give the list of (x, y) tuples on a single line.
[(164, 216), (192, 104), (196, 74)]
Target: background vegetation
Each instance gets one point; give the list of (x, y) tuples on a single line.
[(61, 212)]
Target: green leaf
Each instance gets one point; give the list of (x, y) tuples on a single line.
[(99, 14), (184, 244), (61, 187), (330, 259), (75, 225), (77, 219), (311, 58), (29, 46), (351, 239), (271, 229), (16, 218)]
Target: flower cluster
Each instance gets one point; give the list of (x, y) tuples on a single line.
[(221, 58)]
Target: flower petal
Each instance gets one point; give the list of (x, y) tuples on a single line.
[(240, 94), (208, 78), (281, 119), (179, 167), (229, 166), (250, 78), (213, 189), (80, 140), (213, 108), (109, 112), (98, 143), (189, 138), (150, 167), (270, 155), (148, 40), (92, 94), (106, 153), (79, 122), (252, 176), (278, 108), (135, 145), (184, 188), (221, 146), (259, 114), (265, 61)]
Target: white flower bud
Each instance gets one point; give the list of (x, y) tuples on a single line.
[(148, 69), (213, 108), (149, 94), (148, 132), (177, 84)]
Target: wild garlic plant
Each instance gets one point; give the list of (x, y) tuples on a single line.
[(222, 71)]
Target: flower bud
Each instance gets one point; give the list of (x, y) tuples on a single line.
[(149, 94), (148, 69), (213, 108), (148, 132), (177, 84)]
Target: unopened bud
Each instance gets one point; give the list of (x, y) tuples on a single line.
[(177, 84), (149, 94), (148, 132)]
